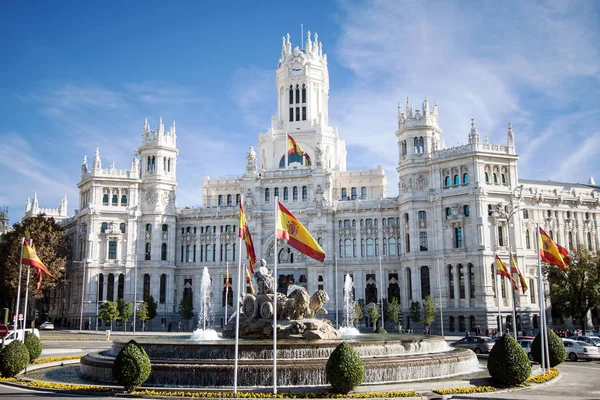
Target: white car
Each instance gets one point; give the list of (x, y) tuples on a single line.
[(11, 335), (581, 350), (47, 326), (593, 340), (526, 345)]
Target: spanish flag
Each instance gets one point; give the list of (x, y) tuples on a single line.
[(514, 268), (552, 253), (503, 271), (308, 162), (294, 147), (226, 278), (244, 233), (290, 229), (248, 279), (30, 258)]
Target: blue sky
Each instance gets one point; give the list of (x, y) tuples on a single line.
[(80, 75)]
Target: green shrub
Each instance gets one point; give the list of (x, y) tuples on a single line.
[(556, 348), (34, 346), (381, 329), (344, 369), (132, 366), (13, 359), (508, 362)]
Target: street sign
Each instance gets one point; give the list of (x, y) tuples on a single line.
[(3, 330), (20, 317)]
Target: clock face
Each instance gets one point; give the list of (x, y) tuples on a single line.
[(296, 71)]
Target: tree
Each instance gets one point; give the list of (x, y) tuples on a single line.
[(575, 292), (142, 314), (108, 312), (415, 311), (358, 312), (429, 312), (186, 309), (152, 308), (52, 247), (373, 312), (393, 311), (125, 311)]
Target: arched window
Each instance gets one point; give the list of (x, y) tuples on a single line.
[(122, 227), (456, 180), (461, 324), (527, 239), (285, 194), (163, 252), (148, 251), (447, 181), (303, 93), (370, 248), (363, 193), (452, 324), (466, 211), (495, 178), (148, 227), (221, 200), (448, 212), (295, 193), (124, 200), (589, 240), (267, 195), (423, 241), (465, 178), (304, 193), (451, 281), (229, 200), (103, 227), (487, 178), (344, 194), (110, 289), (408, 243), (188, 253), (276, 192), (503, 178), (146, 293), (291, 94), (100, 287), (425, 285), (471, 280), (422, 215), (105, 199), (112, 250), (162, 293), (297, 93), (115, 200), (347, 248), (353, 193), (458, 239), (392, 246), (238, 197)]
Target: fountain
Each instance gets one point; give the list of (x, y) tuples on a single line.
[(304, 344), (348, 328), (205, 316)]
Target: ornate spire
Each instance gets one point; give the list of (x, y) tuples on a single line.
[(426, 106), (84, 166), (135, 162), (173, 128), (160, 130), (308, 43), (97, 164), (288, 45), (62, 210), (283, 46), (474, 135), (146, 126), (35, 203), (510, 136), (28, 204)]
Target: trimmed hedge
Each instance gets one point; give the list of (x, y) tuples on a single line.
[(344, 370), (34, 346), (13, 359), (132, 366), (556, 348), (508, 362)]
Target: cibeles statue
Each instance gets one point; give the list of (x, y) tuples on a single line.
[(264, 278), (297, 312)]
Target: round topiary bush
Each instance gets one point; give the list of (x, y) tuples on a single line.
[(556, 348), (132, 366), (344, 370), (508, 362), (13, 359), (34, 346)]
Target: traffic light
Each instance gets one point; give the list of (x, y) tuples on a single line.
[(36, 314)]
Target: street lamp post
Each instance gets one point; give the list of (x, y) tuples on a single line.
[(337, 325), (82, 296)]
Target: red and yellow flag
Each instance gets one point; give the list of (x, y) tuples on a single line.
[(226, 277), (290, 229), (294, 147), (30, 258), (244, 233), (514, 268), (249, 279), (552, 253), (503, 271)]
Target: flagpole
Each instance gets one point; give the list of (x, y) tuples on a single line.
[(19, 288), (26, 296), (335, 281), (381, 293), (275, 295), (498, 297), (237, 314), (512, 287), (541, 301), (226, 289), (440, 293)]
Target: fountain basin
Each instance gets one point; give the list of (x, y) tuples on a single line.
[(300, 362)]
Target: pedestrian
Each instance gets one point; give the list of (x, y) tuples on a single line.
[(169, 328), (487, 332), (178, 327)]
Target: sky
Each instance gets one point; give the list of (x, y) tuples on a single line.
[(79, 75)]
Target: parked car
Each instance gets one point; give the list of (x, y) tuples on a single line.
[(593, 340), (11, 335), (526, 345), (581, 350), (479, 344), (47, 326)]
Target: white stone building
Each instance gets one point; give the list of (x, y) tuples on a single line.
[(457, 207)]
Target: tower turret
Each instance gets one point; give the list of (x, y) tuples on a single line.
[(474, 134), (158, 153)]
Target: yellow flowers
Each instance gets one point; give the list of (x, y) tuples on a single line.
[(544, 377), (476, 389), (253, 395), (58, 386), (53, 359)]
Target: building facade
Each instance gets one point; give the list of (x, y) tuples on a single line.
[(457, 207)]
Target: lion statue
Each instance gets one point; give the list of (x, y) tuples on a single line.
[(296, 306), (317, 300)]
